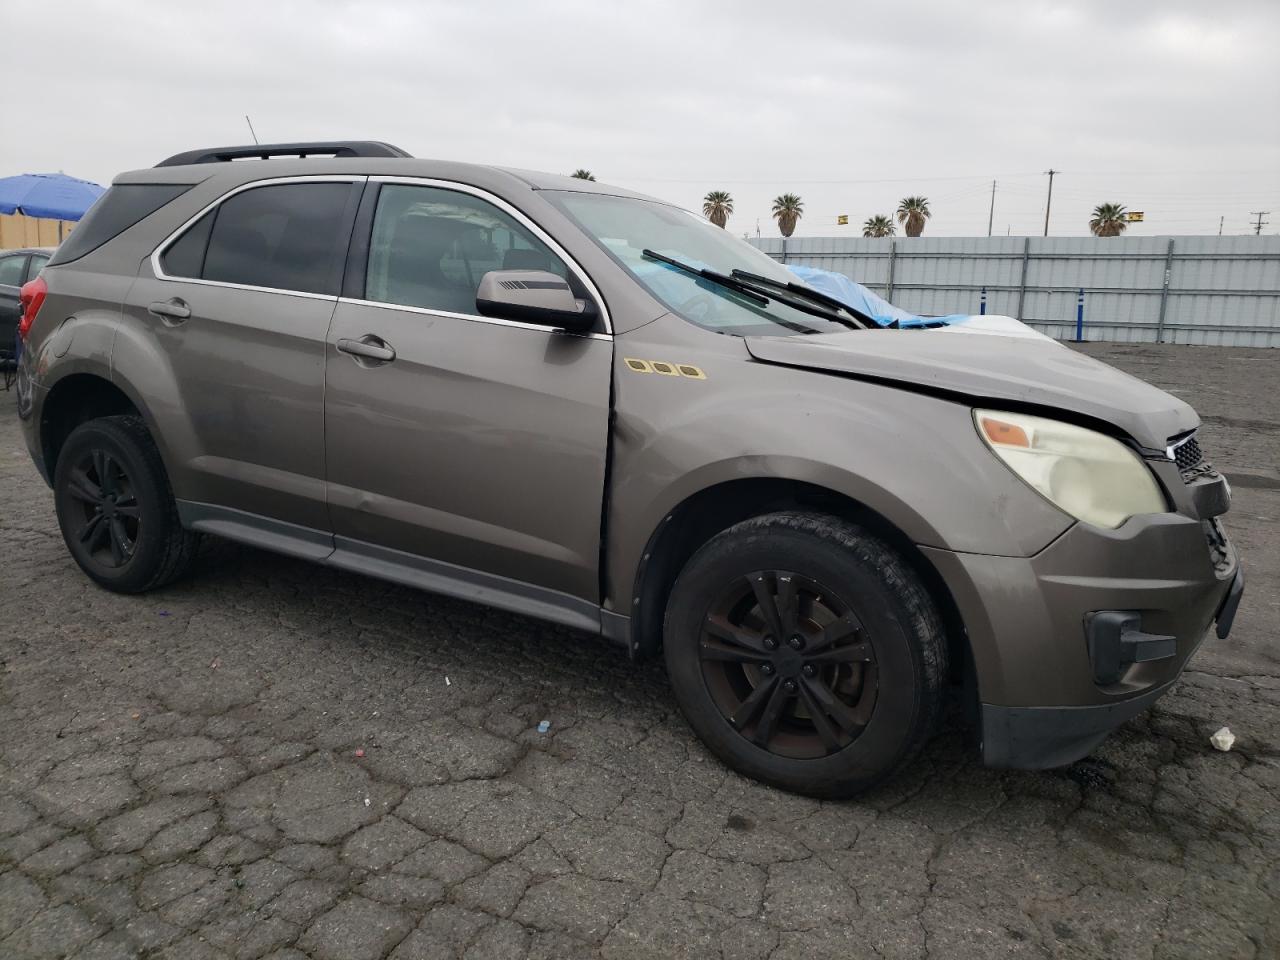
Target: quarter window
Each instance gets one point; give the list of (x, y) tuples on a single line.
[(286, 236), (431, 246), (38, 260)]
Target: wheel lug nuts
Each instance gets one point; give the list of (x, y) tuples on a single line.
[(767, 669), (770, 643), (789, 686), (810, 670), (795, 643)]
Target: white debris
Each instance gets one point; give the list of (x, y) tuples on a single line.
[(1223, 739), (448, 682), (367, 801), (544, 726)]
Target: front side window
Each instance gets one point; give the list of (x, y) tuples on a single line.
[(286, 236), (11, 270), (431, 246), (624, 227)]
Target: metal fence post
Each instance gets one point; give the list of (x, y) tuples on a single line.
[(784, 249), (982, 306), (1164, 292), (1022, 284), (893, 257), (1080, 317)]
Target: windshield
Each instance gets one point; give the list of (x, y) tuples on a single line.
[(625, 228)]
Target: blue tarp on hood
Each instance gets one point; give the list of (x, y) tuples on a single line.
[(51, 195), (858, 297)]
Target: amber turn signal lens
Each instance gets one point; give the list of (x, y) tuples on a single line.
[(1008, 434)]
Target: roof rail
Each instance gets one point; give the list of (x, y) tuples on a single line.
[(264, 151)]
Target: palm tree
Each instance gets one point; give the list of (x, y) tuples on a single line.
[(1108, 220), (878, 226), (914, 211), (787, 210), (581, 174), (717, 206)]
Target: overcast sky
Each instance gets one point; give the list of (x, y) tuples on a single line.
[(1172, 108)]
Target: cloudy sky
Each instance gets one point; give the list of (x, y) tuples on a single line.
[(1172, 108)]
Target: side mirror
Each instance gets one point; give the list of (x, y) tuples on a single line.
[(533, 296)]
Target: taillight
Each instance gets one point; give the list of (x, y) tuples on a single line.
[(32, 297)]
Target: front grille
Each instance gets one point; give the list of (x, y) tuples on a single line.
[(1186, 453)]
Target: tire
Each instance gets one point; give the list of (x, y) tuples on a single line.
[(851, 690), (116, 509)]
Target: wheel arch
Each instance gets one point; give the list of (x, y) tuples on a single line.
[(73, 399), (702, 515)]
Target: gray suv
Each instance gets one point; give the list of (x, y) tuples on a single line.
[(580, 404)]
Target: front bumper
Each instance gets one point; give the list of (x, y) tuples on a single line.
[(1039, 738), (1043, 631)]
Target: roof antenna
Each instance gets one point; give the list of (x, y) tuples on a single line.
[(250, 123)]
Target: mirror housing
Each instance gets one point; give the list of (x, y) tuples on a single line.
[(533, 296)]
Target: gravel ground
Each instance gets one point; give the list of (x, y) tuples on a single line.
[(272, 759)]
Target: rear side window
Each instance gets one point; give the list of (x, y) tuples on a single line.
[(38, 260), (113, 213), (11, 270), (284, 237)]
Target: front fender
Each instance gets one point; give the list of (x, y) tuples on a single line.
[(914, 459)]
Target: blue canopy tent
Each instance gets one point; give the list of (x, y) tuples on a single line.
[(52, 196)]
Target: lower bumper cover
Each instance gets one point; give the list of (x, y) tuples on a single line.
[(1039, 738)]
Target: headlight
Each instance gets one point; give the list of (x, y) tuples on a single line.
[(1091, 476)]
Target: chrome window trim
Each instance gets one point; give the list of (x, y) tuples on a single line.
[(520, 218), (176, 235), (478, 318)]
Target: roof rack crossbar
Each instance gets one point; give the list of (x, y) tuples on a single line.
[(264, 151)]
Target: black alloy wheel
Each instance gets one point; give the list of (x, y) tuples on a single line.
[(116, 509), (806, 652), (105, 521), (789, 664)]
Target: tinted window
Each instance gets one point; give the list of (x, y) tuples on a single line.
[(286, 236), (11, 270), (38, 260), (113, 213), (186, 257), (430, 247)]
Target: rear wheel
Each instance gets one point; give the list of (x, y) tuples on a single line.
[(806, 653), (115, 507)]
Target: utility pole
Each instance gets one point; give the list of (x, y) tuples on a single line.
[(250, 123), (1049, 201), (1257, 227), (992, 214), (1220, 219)]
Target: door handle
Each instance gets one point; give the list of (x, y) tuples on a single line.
[(368, 347), (173, 309)]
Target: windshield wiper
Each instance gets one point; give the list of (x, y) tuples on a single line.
[(754, 292), (723, 279), (808, 293)]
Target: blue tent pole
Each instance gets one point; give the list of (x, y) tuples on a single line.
[(982, 307), (1080, 316)]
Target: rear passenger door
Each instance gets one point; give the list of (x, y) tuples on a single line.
[(481, 443), (237, 304)]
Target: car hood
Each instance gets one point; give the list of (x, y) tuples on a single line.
[(989, 369)]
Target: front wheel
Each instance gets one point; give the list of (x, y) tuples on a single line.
[(806, 653), (116, 509)]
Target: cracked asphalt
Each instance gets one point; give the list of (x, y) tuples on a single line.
[(276, 760)]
